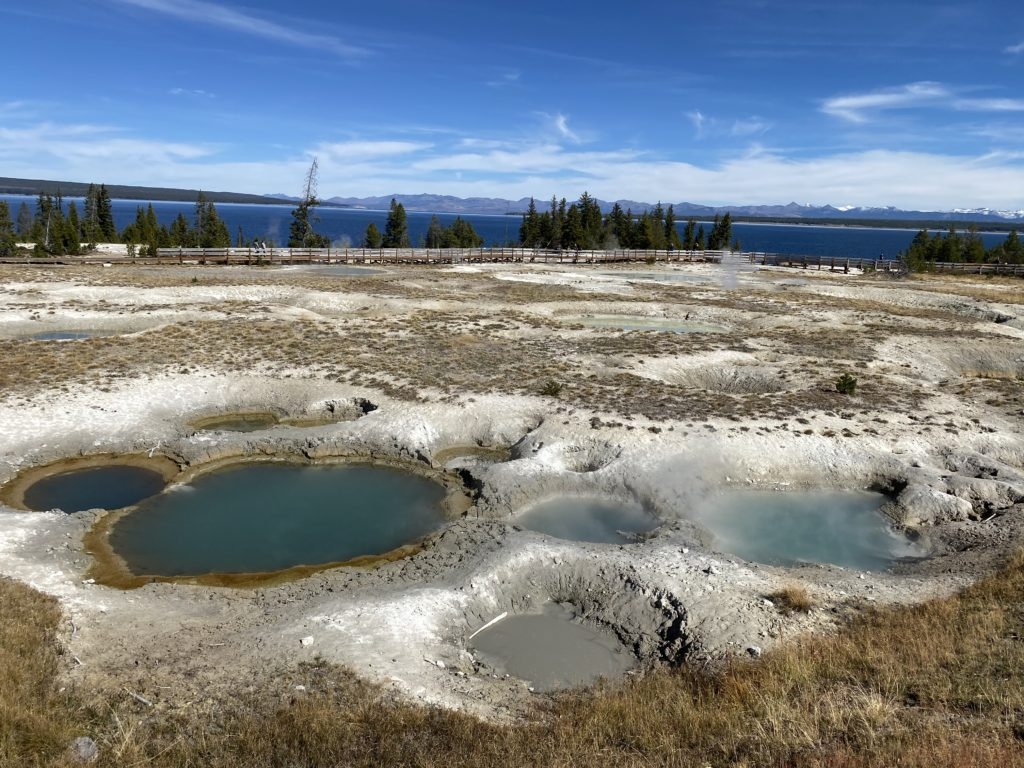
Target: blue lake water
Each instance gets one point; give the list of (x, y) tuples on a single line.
[(345, 226)]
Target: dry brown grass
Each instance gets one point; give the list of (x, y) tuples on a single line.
[(939, 684), (792, 598)]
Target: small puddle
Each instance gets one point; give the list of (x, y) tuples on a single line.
[(551, 650), (67, 335), (259, 518), (633, 323), (843, 528), (237, 422), (596, 520), (112, 486)]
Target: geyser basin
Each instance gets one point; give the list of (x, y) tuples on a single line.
[(631, 323), (843, 528), (111, 486), (580, 518), (551, 650), (258, 518)]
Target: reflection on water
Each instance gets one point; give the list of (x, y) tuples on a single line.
[(596, 520), (268, 517), (550, 650), (843, 528)]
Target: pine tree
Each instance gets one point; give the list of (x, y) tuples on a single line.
[(435, 236), (690, 235), (396, 231), (105, 216), (73, 231), (8, 241), (672, 241), (180, 234), (372, 238), (461, 235), (530, 229), (24, 222)]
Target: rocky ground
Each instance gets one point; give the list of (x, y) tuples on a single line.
[(513, 380)]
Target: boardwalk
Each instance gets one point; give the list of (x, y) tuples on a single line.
[(396, 256)]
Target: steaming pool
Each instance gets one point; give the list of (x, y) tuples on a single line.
[(596, 520), (843, 528), (259, 518)]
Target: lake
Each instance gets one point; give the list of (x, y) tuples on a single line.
[(345, 227)]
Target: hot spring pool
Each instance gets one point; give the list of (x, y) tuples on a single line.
[(551, 650), (843, 528), (581, 518), (257, 518), (110, 486)]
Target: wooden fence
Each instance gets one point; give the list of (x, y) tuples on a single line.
[(384, 256)]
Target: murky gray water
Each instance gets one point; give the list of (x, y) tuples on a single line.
[(550, 650), (843, 528), (251, 422), (267, 517), (581, 518), (107, 487)]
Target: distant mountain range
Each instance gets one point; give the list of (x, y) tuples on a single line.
[(683, 210), (791, 212)]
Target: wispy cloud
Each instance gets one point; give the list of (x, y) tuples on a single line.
[(705, 126), (698, 121), (368, 150), (562, 126), (857, 107), (197, 92), (1014, 49), (505, 80), (212, 14)]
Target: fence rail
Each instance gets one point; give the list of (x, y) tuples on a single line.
[(297, 256)]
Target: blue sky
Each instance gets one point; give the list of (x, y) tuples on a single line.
[(912, 104)]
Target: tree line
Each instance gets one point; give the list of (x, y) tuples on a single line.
[(581, 226), (56, 229), (954, 246)]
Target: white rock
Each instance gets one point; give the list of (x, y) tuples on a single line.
[(307, 640)]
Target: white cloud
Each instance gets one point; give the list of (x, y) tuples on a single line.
[(191, 92), (698, 121), (749, 127), (857, 107), (1014, 49), (212, 14), (494, 167), (366, 150), (562, 126)]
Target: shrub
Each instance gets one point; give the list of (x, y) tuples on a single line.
[(552, 388), (846, 384)]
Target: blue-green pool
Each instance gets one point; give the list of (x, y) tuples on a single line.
[(257, 518), (593, 519), (842, 528)]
